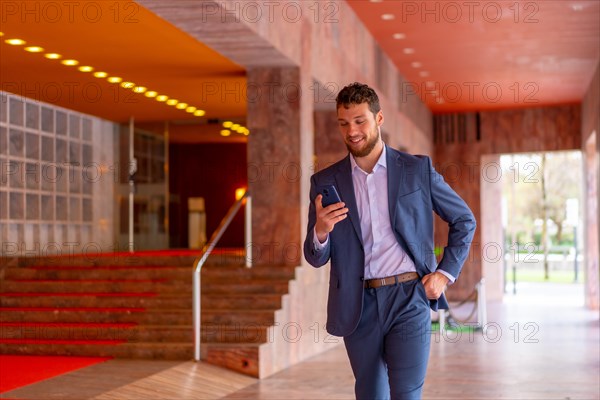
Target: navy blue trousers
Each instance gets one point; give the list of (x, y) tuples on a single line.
[(389, 349)]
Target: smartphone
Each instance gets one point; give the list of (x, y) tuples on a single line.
[(330, 195)]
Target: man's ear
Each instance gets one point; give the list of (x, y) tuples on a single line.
[(379, 118)]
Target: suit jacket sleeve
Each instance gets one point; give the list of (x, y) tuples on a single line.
[(316, 258), (461, 222)]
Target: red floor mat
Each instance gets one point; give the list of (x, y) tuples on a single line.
[(18, 371)]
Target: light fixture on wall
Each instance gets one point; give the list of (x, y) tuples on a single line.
[(239, 193)]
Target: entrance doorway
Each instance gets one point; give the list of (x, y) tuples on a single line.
[(531, 222)]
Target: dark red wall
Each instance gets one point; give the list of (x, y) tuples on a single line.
[(212, 171)]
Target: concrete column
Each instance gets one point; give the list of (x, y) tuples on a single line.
[(490, 226)]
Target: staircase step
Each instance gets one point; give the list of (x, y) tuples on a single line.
[(210, 333), (243, 357), (95, 314), (133, 315), (162, 301), (141, 350), (148, 272), (240, 301), (254, 286), (227, 257), (94, 286), (172, 301), (78, 331), (262, 272), (108, 273)]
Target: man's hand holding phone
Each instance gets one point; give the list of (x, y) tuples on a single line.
[(328, 215)]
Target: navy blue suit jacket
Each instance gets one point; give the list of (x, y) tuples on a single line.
[(415, 191)]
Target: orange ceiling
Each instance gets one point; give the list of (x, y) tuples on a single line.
[(489, 54), (123, 39)]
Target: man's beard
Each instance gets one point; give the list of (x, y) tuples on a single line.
[(365, 151)]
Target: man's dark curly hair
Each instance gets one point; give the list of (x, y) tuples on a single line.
[(358, 93)]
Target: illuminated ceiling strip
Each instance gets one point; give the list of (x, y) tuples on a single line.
[(112, 79)]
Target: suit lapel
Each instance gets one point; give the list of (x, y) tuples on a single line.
[(395, 177), (343, 179)]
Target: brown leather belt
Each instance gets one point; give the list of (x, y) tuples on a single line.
[(391, 280)]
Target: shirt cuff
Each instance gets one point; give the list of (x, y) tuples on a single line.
[(318, 245), (447, 275)]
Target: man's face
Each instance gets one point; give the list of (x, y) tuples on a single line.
[(359, 128)]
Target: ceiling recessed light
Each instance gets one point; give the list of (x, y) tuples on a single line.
[(86, 68), (375, 1), (1, 34), (53, 56), (100, 74), (399, 36), (577, 7), (225, 132), (190, 109), (34, 49), (387, 17), (127, 85), (172, 102), (139, 89), (181, 106), (15, 42), (161, 98), (199, 113), (424, 74), (235, 126), (246, 131), (70, 62), (114, 79), (409, 50), (152, 93), (416, 64), (227, 124)]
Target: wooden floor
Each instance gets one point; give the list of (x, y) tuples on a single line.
[(540, 344)]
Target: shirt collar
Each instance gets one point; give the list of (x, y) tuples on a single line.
[(381, 162)]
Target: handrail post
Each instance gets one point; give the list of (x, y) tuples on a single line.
[(197, 313), (481, 305), (199, 263), (248, 232)]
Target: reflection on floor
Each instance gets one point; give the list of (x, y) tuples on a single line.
[(539, 344)]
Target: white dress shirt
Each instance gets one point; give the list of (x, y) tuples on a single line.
[(383, 254)]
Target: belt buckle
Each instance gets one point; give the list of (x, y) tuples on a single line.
[(383, 282)]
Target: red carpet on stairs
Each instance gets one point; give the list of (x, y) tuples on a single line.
[(18, 371)]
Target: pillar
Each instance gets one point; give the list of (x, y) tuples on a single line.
[(275, 167)]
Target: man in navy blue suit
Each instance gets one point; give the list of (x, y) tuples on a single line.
[(379, 238)]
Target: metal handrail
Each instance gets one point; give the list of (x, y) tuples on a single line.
[(206, 250)]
